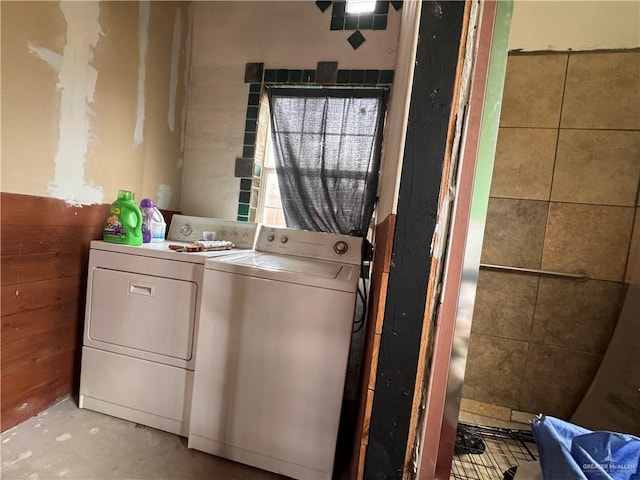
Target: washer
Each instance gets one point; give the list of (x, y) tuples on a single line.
[(273, 348), (140, 326)]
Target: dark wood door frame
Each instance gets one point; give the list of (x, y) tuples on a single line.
[(432, 96)]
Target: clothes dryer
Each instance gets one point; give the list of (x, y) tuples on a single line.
[(140, 326)]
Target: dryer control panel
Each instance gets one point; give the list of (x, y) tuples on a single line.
[(317, 245), (190, 229)]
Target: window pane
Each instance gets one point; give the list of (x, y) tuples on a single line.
[(273, 214)]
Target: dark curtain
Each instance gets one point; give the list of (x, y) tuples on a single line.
[(327, 145)]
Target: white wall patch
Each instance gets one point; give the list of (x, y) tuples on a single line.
[(76, 83), (143, 36), (173, 80), (186, 77)]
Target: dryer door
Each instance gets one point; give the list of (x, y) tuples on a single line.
[(143, 312)]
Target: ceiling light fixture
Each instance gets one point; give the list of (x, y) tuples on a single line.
[(358, 7)]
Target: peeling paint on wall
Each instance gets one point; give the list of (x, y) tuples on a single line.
[(186, 76), (173, 80), (76, 83), (143, 35)]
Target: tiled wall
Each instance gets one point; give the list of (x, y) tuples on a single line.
[(254, 143), (563, 198)]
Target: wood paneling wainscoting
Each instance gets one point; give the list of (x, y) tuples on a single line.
[(383, 241), (44, 254)]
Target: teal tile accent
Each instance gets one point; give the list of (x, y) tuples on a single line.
[(343, 76), (245, 184), (356, 39), (248, 151), (250, 126), (249, 139), (269, 75), (282, 75), (242, 218), (255, 88), (323, 5), (308, 76), (382, 7), (337, 23), (245, 197), (357, 77), (295, 76), (351, 22), (371, 77), (243, 209), (257, 170), (379, 22), (252, 112), (339, 9), (365, 22), (254, 99), (386, 77)]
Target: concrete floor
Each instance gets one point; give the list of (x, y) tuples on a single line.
[(71, 443)]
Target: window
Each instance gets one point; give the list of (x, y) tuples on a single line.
[(269, 203), (323, 158)]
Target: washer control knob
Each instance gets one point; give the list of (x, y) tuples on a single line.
[(284, 239), (340, 247), (186, 229), (270, 237)]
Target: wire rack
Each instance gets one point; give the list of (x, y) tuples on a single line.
[(499, 450)]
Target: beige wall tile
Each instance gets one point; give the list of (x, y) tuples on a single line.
[(474, 407), (522, 417), (633, 264), (495, 368), (523, 166), (533, 90), (592, 238), (577, 315), (514, 232), (504, 305), (556, 380), (602, 91), (597, 166)]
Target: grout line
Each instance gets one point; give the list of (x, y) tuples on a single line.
[(591, 129), (555, 161), (564, 202)]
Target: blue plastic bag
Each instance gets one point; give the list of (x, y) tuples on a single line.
[(570, 452)]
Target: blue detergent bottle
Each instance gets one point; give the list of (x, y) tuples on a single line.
[(124, 222)]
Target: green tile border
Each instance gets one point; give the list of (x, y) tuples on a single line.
[(249, 187)]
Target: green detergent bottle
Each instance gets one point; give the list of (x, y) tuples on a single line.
[(124, 223)]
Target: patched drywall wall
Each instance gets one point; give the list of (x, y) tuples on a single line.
[(282, 35), (91, 99), (575, 25)]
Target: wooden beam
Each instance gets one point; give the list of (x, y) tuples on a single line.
[(424, 154)]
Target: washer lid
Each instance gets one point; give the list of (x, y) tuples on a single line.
[(283, 263)]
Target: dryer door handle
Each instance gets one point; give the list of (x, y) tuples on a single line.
[(139, 288)]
